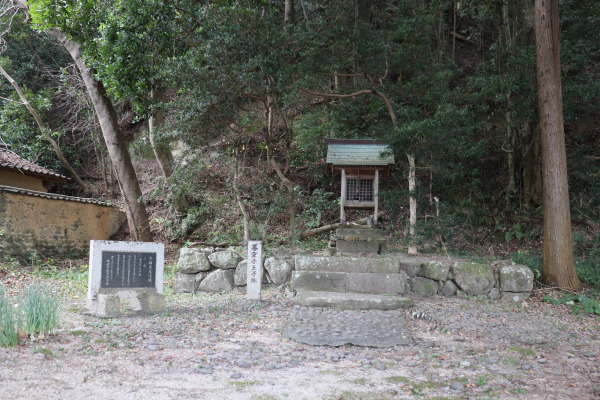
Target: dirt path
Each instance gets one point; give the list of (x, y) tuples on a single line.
[(223, 347)]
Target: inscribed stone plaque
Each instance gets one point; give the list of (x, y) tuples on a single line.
[(255, 267), (122, 269), (125, 265)]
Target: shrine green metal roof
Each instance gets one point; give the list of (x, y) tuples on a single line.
[(359, 152)]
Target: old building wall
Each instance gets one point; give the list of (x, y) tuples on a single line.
[(53, 226), (10, 178)]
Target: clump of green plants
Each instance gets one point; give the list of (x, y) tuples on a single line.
[(41, 309), (10, 322), (35, 314), (577, 302)]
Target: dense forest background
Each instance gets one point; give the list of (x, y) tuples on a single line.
[(224, 106)]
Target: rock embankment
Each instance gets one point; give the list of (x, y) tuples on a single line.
[(209, 270)]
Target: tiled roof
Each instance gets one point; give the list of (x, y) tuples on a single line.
[(362, 152), (12, 162), (27, 192)]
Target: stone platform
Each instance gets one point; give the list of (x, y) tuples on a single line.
[(351, 283), (352, 301), (329, 327), (357, 240)]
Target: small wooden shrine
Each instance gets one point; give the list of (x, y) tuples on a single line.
[(360, 162)]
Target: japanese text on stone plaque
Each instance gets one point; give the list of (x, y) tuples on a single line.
[(127, 269), (254, 271), (253, 262)]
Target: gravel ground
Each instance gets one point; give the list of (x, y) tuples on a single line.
[(220, 346)]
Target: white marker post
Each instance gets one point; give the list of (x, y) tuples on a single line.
[(254, 273)]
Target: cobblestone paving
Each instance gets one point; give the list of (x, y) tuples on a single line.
[(318, 326)]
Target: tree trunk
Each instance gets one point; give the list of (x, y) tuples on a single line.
[(412, 248), (557, 265), (530, 164), (289, 16), (289, 185), (238, 197), (135, 209), (162, 152), (509, 146)]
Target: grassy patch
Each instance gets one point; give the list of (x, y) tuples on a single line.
[(349, 395), (482, 380), (519, 391), (243, 384), (332, 372), (360, 381), (512, 361), (399, 379), (70, 280), (44, 351), (523, 351)]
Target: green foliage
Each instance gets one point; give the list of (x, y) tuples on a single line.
[(586, 265), (193, 218), (577, 302), (318, 204), (10, 321), (35, 314), (224, 63), (41, 309)]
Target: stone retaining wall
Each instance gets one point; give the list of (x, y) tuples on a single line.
[(498, 280), (208, 270)]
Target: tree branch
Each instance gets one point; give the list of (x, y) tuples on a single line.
[(337, 96), (44, 130), (463, 38)]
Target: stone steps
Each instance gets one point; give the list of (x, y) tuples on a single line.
[(364, 233), (352, 301), (348, 264), (372, 283), (352, 282)]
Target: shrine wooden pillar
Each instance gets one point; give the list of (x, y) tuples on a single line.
[(343, 199)]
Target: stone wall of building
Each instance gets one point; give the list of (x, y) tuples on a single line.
[(50, 224)]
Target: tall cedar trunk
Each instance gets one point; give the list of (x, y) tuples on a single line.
[(162, 151), (557, 265), (137, 217), (412, 248), (530, 164), (509, 42), (509, 146)]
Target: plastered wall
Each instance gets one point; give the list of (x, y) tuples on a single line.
[(9, 178), (52, 226)]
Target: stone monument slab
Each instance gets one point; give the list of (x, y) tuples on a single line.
[(131, 271)]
